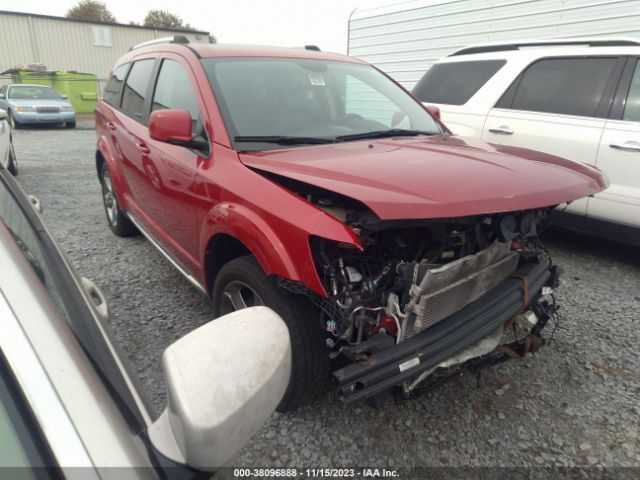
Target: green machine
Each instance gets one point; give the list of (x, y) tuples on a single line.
[(81, 89)]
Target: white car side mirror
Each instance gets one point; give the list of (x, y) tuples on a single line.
[(224, 380)]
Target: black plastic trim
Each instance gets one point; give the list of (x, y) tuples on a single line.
[(517, 46)]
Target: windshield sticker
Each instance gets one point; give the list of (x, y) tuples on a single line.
[(316, 79)]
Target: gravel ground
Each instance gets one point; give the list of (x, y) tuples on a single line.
[(573, 403)]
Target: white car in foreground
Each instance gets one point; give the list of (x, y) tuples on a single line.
[(7, 153), (69, 405), (575, 98)]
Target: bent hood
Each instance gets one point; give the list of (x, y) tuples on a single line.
[(434, 177)]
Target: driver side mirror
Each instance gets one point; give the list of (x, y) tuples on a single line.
[(64, 97), (1, 95), (224, 380), (174, 126)]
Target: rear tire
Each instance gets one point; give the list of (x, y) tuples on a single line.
[(70, 124), (13, 161), (310, 363), (118, 221)]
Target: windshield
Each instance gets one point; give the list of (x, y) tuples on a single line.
[(305, 100), (33, 93)]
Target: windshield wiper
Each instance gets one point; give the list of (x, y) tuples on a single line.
[(285, 140), (392, 132)]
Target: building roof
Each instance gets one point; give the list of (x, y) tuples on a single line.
[(114, 24)]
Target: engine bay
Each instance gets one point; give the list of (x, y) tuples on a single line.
[(410, 274)]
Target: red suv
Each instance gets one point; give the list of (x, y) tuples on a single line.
[(313, 183)]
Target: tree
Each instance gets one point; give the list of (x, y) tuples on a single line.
[(164, 19), (92, 11)]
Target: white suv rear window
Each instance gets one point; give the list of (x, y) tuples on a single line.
[(455, 83)]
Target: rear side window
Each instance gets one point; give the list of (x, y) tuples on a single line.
[(632, 107), (135, 88), (569, 86), (113, 90), (455, 83), (168, 95)]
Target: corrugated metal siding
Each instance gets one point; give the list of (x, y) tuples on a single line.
[(405, 40), (68, 46)]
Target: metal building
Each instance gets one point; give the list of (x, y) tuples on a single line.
[(404, 39), (71, 45)]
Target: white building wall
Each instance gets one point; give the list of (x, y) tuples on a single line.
[(404, 39), (69, 46)]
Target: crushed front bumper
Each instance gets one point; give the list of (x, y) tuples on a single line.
[(392, 366)]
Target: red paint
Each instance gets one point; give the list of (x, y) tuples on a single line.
[(170, 126), (185, 200), (388, 323), (433, 110)]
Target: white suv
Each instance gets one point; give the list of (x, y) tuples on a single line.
[(575, 98)]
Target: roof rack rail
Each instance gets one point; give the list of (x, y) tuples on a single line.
[(315, 48), (506, 46), (181, 39)]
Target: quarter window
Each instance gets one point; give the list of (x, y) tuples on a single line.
[(136, 87), (174, 90), (113, 90), (632, 107), (569, 86), (455, 83)]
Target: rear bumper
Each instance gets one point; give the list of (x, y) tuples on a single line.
[(403, 362)]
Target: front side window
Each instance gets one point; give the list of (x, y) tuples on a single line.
[(113, 90), (32, 92), (569, 86), (168, 95), (455, 83), (135, 88), (322, 100), (632, 106), (38, 250)]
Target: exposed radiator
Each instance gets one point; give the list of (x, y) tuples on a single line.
[(439, 291)]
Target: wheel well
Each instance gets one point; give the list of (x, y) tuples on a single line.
[(99, 162), (226, 248)]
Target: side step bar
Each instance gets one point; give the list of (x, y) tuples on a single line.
[(392, 366)]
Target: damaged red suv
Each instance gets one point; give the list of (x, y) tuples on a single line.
[(312, 183)]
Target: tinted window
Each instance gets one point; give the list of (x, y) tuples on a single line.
[(167, 95), (23, 449), (45, 261), (113, 89), (135, 88), (455, 83), (632, 107), (570, 86)]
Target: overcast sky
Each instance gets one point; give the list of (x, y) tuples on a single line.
[(268, 22)]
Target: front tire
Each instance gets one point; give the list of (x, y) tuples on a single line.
[(13, 161), (118, 221), (244, 278)]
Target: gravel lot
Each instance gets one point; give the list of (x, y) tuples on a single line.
[(574, 403)]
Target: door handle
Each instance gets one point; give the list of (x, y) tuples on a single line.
[(143, 147), (111, 125), (501, 130), (630, 146)]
